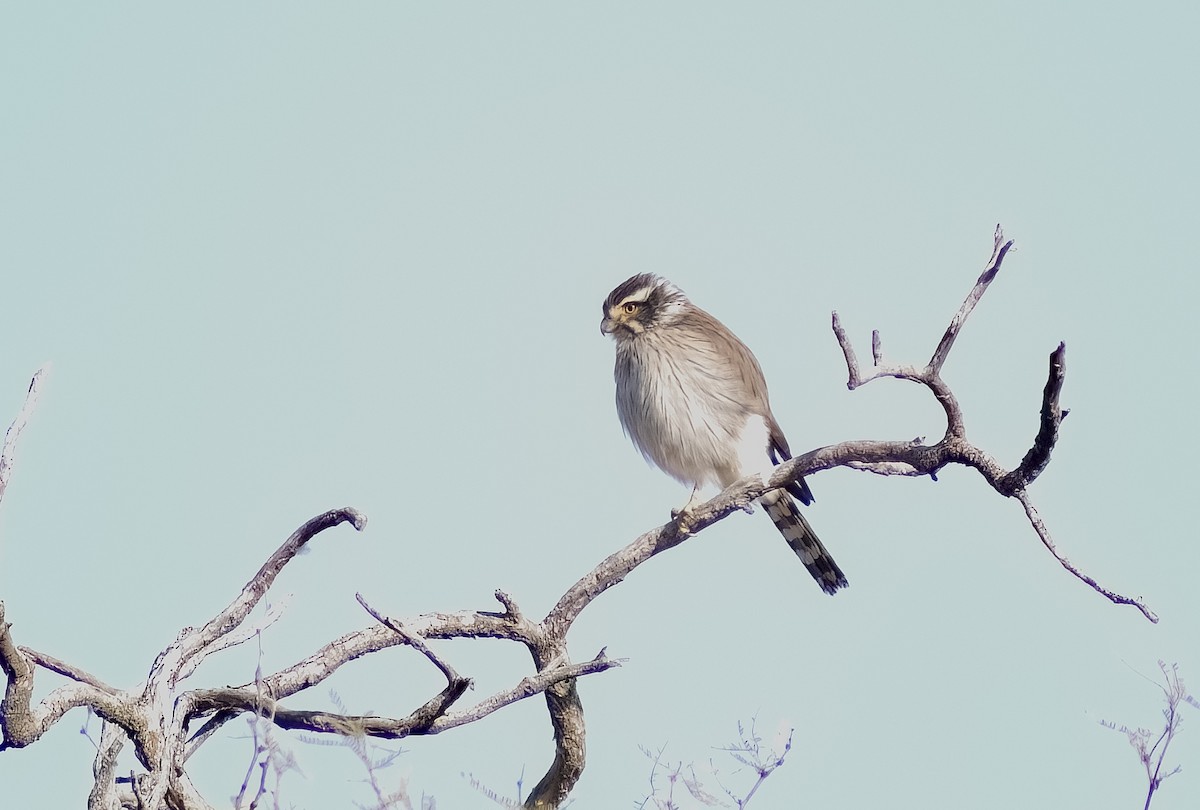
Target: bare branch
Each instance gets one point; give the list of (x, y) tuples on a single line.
[(879, 458), (885, 468), (529, 686), (22, 723), (1043, 534), (245, 700), (1052, 415), (245, 632), (416, 642), (839, 331), (66, 670), (211, 727), (355, 644), (191, 644), (104, 793), (1153, 756), (16, 719), (155, 715), (570, 734), (9, 448), (511, 611), (1000, 249), (456, 685), (619, 564)]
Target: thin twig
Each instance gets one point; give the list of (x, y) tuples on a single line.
[(456, 685), (1153, 756), (413, 640), (1043, 534)]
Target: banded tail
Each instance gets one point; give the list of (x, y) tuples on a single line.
[(800, 536)]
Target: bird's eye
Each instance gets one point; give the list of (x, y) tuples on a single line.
[(630, 307)]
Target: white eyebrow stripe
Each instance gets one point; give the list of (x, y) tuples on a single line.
[(638, 297)]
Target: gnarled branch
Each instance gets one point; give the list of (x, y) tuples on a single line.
[(156, 716)]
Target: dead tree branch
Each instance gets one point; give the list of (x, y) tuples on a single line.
[(157, 715), (954, 448), (8, 450)]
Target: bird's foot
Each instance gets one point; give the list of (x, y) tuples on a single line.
[(682, 518), (683, 515)]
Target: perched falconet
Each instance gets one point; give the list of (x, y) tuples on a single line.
[(693, 399)]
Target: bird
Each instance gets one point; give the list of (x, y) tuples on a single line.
[(693, 399)]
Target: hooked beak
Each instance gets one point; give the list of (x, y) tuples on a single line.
[(607, 326)]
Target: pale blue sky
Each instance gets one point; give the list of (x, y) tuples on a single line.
[(286, 257)]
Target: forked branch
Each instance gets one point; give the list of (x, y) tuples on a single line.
[(156, 716)]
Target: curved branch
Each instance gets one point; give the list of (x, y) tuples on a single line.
[(155, 715), (324, 662), (246, 700), (357, 643), (1052, 415), (194, 642), (954, 448)]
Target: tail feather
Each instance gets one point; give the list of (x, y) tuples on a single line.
[(803, 540)]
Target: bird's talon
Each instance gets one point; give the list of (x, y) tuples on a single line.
[(682, 518)]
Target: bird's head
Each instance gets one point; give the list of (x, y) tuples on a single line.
[(643, 302)]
